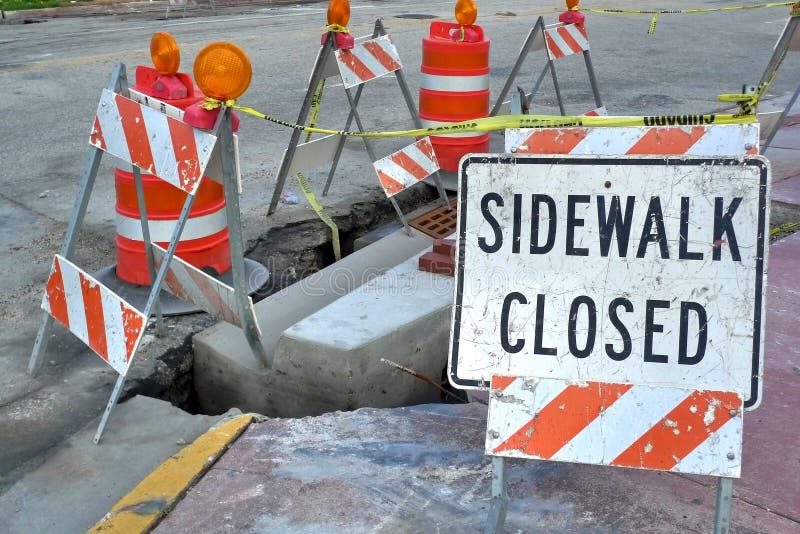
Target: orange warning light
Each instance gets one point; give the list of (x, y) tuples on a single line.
[(339, 12), (466, 12), (165, 53), (572, 5), (222, 71)]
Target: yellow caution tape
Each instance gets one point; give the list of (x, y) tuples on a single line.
[(688, 11), (656, 12), (785, 229), (505, 122), (305, 186), (336, 28)]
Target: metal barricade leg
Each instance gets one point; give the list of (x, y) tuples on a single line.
[(782, 118), (552, 66), (316, 75), (75, 222), (722, 517), (250, 326), (523, 53), (592, 79), (151, 299), (496, 521)]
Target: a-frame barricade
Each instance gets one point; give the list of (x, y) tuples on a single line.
[(370, 58), (789, 41), (177, 153), (559, 40)]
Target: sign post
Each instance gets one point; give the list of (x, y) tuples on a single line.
[(615, 305)]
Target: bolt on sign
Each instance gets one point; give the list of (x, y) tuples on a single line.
[(645, 271)]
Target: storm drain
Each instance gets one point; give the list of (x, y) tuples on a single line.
[(437, 223)]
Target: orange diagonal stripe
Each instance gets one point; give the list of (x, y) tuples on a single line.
[(410, 165), (390, 185), (563, 418), (382, 56), (95, 321), (185, 148), (551, 45), (502, 382), (553, 141), (355, 65), (133, 323), (667, 141), (55, 295), (680, 432), (135, 133), (574, 45), (96, 137)]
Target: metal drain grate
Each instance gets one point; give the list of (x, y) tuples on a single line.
[(437, 223)]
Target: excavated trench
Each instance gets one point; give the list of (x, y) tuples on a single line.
[(290, 252)]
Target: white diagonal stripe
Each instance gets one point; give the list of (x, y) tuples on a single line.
[(422, 159), (73, 295), (195, 294), (616, 429), (395, 171), (513, 407), (115, 331), (576, 34), (725, 140), (558, 47), (719, 455), (161, 148), (205, 143), (609, 140), (111, 124)]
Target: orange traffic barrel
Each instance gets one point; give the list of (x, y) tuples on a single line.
[(454, 88), (204, 242)]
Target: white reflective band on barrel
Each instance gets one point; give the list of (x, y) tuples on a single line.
[(431, 124), (454, 84), (161, 230)]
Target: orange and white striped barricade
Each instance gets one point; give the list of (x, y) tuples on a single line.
[(178, 154), (692, 138), (370, 58), (623, 295), (660, 428), (559, 41), (405, 168)]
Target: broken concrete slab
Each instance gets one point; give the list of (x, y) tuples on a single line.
[(423, 469)]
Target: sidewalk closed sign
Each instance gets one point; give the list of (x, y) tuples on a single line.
[(646, 271)]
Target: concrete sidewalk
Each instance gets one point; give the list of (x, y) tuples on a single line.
[(423, 468)]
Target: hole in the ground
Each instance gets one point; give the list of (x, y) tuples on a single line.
[(290, 253)]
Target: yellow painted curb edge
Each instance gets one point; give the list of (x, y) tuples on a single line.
[(151, 500)]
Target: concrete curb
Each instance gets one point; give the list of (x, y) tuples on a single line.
[(152, 499)]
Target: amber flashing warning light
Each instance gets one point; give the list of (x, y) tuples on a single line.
[(165, 53), (222, 71), (466, 12), (339, 12)]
